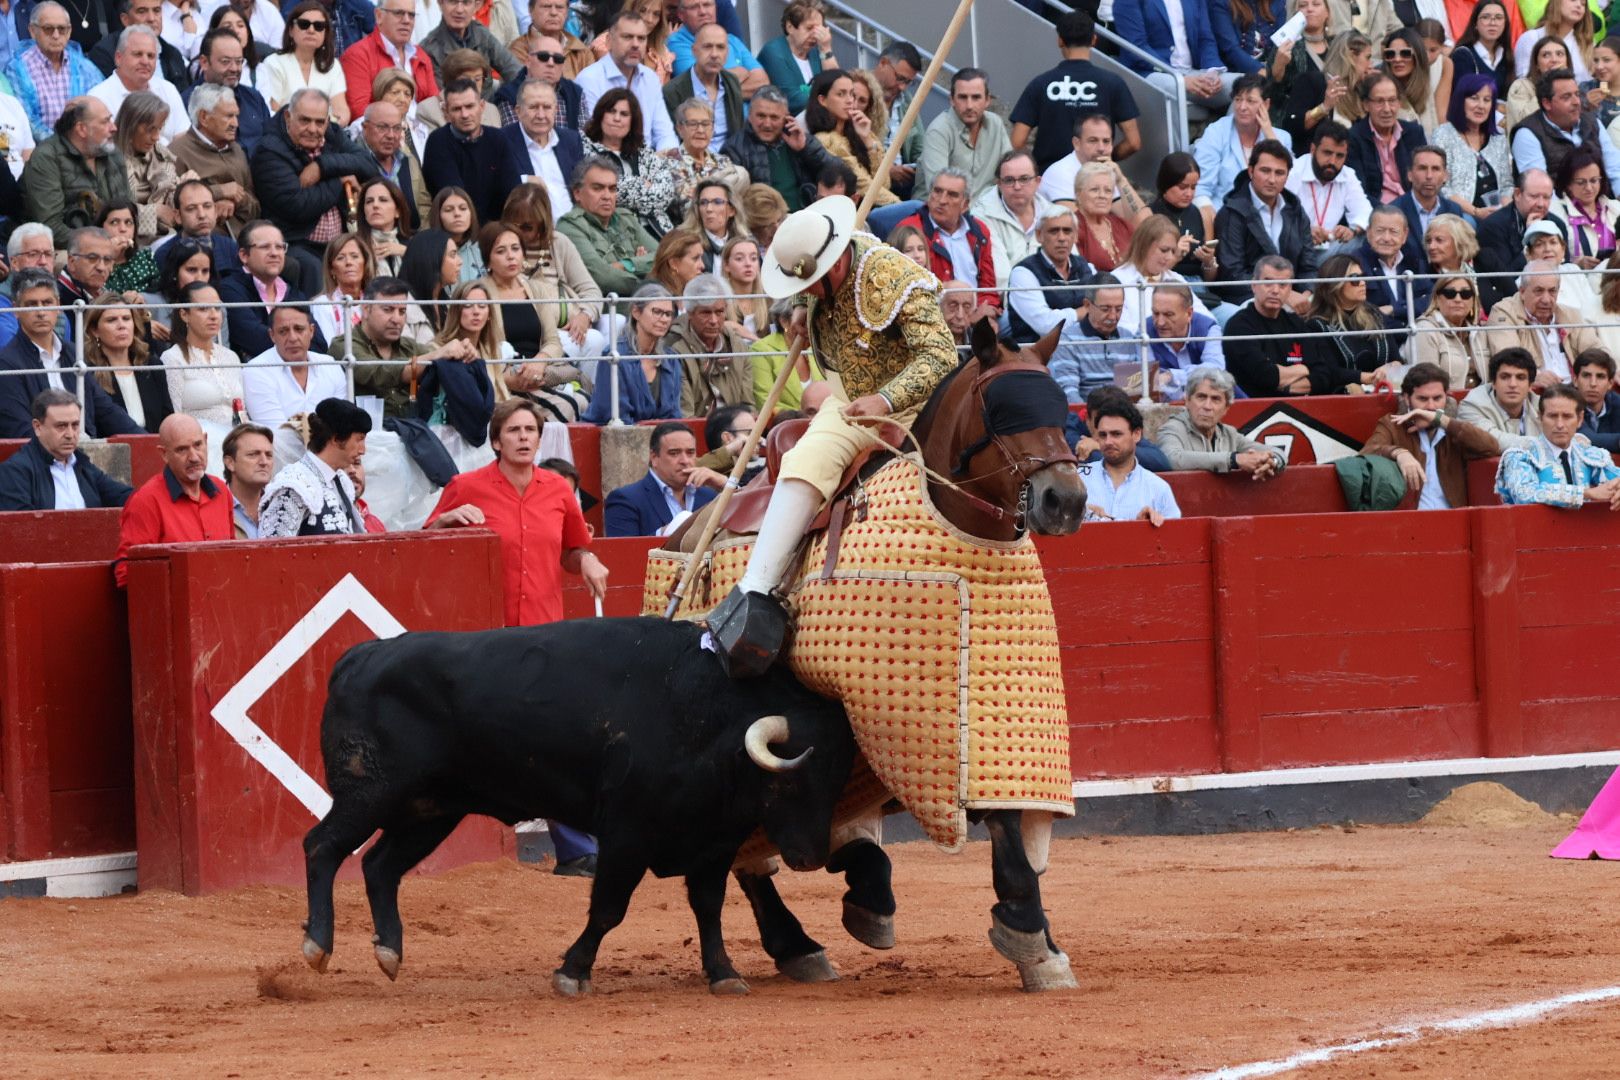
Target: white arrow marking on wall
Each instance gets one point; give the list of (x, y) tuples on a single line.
[(231, 713)]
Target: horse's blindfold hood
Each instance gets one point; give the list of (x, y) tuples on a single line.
[(1021, 401)]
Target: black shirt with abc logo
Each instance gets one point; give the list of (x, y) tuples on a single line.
[(1054, 99)]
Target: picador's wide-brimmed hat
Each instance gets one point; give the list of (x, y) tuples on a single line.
[(807, 244)]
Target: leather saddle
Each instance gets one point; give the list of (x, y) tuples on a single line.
[(746, 510)]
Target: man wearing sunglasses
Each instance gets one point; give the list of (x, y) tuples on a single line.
[(549, 19), (388, 46), (543, 63)]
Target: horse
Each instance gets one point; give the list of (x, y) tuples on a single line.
[(991, 441)]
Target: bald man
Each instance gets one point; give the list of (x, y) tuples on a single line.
[(182, 504)]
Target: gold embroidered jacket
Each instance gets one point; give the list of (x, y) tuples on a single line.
[(884, 331)]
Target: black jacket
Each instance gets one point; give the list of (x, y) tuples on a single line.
[(1605, 432), (746, 149), (276, 165), (1243, 238), (104, 416), (25, 482), (1363, 155), (250, 326), (567, 145), (480, 166), (153, 389), (1501, 248), (1338, 361)]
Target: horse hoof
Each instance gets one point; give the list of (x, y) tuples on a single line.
[(388, 960), (568, 986), (1023, 949), (315, 956), (732, 987), (1053, 973), (869, 928), (809, 968)]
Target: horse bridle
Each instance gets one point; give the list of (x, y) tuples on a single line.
[(1023, 465)]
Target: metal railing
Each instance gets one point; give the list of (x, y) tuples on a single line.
[(613, 307)]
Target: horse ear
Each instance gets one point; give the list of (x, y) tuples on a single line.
[(1046, 346), (982, 338)]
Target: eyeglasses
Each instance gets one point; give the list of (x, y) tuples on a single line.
[(698, 125), (1398, 54), (549, 57), (661, 313), (386, 129), (1027, 178), (1456, 294), (99, 260), (310, 24), (53, 28), (739, 431)]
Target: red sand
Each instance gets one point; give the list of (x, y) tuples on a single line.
[(1192, 952)]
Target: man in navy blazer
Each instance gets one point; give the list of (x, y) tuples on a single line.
[(1146, 23), (1388, 245), (264, 261), (50, 462), (39, 351), (534, 134), (649, 504), (1381, 99), (1423, 202)]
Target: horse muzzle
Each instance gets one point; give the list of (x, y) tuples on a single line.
[(1057, 500)]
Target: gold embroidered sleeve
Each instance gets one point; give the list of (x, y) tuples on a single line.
[(932, 348)]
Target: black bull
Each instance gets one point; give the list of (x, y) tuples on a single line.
[(626, 728)]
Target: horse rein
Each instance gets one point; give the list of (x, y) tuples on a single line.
[(1024, 466)]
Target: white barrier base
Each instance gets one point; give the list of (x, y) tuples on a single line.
[(88, 876)]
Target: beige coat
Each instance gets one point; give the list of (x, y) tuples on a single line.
[(707, 380), (1458, 351), (1508, 327), (561, 274), (153, 176)]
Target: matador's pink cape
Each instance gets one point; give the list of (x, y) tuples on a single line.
[(1598, 834)]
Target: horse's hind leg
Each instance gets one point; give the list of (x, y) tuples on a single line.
[(1018, 928)]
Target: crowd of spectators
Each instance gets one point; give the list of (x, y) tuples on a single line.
[(450, 192)]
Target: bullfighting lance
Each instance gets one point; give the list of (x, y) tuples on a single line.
[(796, 349)]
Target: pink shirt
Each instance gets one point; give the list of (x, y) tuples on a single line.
[(1392, 189)]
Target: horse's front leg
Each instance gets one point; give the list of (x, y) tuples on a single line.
[(1018, 926)]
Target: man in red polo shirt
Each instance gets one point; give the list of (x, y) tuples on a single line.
[(533, 511), (542, 532), (180, 505)]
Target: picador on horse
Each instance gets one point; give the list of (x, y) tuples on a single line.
[(905, 585)]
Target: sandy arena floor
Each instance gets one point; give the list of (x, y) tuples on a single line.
[(1194, 954)]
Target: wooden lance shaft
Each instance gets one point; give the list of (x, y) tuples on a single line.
[(717, 508)]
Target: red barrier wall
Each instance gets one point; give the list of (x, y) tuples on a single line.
[(1242, 643), (66, 779), (246, 634), (46, 536)]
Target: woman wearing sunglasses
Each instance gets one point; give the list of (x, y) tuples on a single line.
[(1448, 334), (1353, 353), (1406, 59), (308, 57)]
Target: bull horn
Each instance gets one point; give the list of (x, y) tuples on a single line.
[(763, 732)]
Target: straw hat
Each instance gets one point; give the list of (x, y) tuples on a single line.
[(807, 244)]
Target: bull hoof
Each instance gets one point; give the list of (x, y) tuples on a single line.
[(388, 960), (869, 928), (315, 956), (1053, 973), (809, 968), (568, 986), (1023, 949), (733, 987)]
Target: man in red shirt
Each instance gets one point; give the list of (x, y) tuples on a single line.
[(388, 46), (182, 504), (542, 532), (533, 511)]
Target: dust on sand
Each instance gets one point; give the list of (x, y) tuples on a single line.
[(1192, 953), (1486, 805)]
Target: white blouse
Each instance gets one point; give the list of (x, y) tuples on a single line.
[(279, 75), (328, 311), (205, 393)]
